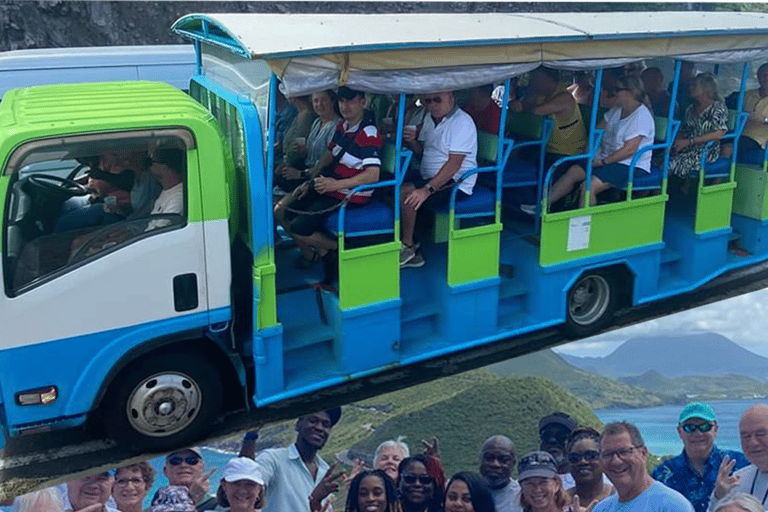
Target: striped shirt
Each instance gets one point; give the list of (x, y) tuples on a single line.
[(355, 148)]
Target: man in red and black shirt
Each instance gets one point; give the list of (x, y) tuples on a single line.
[(354, 156)]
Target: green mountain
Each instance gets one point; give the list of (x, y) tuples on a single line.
[(730, 386), (597, 391)]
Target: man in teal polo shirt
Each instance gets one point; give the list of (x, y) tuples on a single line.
[(693, 473)]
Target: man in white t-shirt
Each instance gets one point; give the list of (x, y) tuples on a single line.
[(753, 479), (168, 169), (623, 456), (447, 144), (497, 458)]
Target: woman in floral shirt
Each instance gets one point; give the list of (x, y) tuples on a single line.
[(706, 119)]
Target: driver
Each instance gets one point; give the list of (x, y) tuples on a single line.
[(111, 183)]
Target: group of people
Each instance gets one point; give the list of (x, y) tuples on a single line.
[(331, 142), (575, 469)]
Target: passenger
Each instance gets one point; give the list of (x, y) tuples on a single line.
[(389, 455), (705, 120), (468, 492), (610, 77), (90, 493), (623, 456), (132, 483), (145, 189), (548, 97), (414, 115), (693, 473), (372, 491), (323, 127), (447, 144), (755, 132), (683, 99), (554, 434), (583, 87), (110, 200), (738, 502), (753, 479), (168, 169), (296, 478), (242, 485), (293, 154), (497, 459), (653, 82), (355, 152), (628, 126), (418, 489), (541, 486), (484, 111), (185, 469), (286, 113), (46, 500), (584, 462)]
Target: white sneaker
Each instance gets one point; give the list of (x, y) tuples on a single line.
[(530, 209)]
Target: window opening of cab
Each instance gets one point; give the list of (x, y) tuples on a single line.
[(75, 199)]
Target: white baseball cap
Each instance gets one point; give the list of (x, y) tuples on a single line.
[(242, 468)]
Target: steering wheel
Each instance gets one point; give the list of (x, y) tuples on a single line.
[(55, 185), (74, 172)]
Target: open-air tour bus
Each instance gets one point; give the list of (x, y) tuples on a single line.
[(228, 311), (485, 279)]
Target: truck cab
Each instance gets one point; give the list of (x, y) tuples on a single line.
[(115, 259)]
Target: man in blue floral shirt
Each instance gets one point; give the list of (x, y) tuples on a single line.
[(693, 473)]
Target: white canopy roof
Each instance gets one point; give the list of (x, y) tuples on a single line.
[(389, 52)]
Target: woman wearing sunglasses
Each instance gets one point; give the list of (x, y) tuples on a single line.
[(584, 460), (420, 485), (372, 491)]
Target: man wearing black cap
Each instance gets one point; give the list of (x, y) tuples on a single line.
[(296, 475), (554, 433)]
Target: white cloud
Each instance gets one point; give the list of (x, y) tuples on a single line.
[(742, 319)]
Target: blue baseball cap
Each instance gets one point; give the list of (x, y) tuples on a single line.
[(697, 410)]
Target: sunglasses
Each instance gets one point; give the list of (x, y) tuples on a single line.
[(701, 427), (191, 461), (436, 100), (423, 479), (589, 456)]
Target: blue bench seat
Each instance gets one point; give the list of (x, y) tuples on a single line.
[(482, 202), (753, 157), (720, 168), (370, 219), (520, 173), (648, 180)]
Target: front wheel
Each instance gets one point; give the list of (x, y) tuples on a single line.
[(591, 303), (163, 402)]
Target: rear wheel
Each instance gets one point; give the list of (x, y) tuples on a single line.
[(163, 401), (591, 303)]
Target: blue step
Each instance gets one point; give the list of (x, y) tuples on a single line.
[(417, 311), (735, 235), (301, 336), (669, 255), (512, 288)]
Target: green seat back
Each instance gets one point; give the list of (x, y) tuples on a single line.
[(487, 145), (388, 157), (524, 125), (661, 128)]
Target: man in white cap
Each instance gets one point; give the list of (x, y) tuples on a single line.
[(623, 456), (753, 479), (242, 485), (693, 473)]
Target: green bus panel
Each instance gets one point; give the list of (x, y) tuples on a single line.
[(750, 198)]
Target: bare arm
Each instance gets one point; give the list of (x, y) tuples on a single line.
[(324, 162), (324, 185), (448, 170), (563, 102)]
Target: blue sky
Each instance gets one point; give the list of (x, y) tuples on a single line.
[(742, 319)]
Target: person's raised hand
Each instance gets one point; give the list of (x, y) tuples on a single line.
[(200, 485), (431, 447), (725, 480), (328, 484), (359, 466)]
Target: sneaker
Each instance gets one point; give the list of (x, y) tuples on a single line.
[(410, 256), (530, 209)]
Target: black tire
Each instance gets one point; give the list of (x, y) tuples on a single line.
[(164, 401), (590, 303)]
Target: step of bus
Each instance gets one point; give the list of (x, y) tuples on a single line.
[(669, 255), (301, 336), (512, 288), (417, 311), (514, 319), (735, 235)]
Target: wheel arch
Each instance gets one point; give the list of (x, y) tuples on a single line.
[(112, 357)]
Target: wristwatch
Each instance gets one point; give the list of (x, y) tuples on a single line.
[(430, 188)]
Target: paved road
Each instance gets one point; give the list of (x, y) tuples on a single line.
[(46, 459)]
